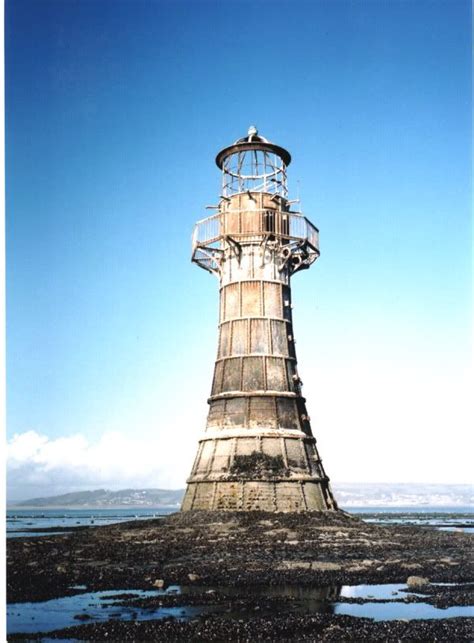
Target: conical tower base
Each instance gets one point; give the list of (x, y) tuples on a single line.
[(256, 469)]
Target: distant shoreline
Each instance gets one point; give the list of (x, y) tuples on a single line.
[(91, 507), (346, 507)]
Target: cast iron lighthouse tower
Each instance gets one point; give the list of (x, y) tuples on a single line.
[(258, 451)]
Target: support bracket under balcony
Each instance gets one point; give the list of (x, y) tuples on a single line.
[(297, 255), (208, 258), (235, 245)]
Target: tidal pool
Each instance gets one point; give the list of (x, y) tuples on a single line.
[(87, 607)]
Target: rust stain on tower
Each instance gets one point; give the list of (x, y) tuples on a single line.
[(258, 451)]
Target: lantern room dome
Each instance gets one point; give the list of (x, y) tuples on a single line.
[(253, 141), (252, 137)]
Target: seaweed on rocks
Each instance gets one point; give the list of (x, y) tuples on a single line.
[(319, 627), (258, 466), (209, 550)]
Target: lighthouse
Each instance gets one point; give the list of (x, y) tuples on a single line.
[(257, 452)]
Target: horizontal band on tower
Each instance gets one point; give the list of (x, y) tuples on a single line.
[(227, 434), (230, 394), (246, 317), (253, 280), (240, 355), (295, 477)]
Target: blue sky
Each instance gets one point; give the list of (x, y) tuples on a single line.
[(114, 113)]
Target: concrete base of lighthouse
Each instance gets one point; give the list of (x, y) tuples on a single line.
[(258, 471), (256, 495)]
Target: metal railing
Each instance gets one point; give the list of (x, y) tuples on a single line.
[(254, 170), (207, 231), (302, 228), (249, 225)]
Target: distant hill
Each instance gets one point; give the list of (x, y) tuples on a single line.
[(159, 498), (348, 495), (403, 495)]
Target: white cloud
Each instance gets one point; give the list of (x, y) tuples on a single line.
[(38, 465)]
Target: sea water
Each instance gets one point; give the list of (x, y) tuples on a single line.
[(87, 607), (458, 518), (34, 522)]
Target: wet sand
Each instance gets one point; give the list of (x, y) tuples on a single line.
[(213, 552)]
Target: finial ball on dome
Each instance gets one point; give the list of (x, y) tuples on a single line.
[(252, 131)]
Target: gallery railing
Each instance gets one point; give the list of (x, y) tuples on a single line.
[(230, 227)]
